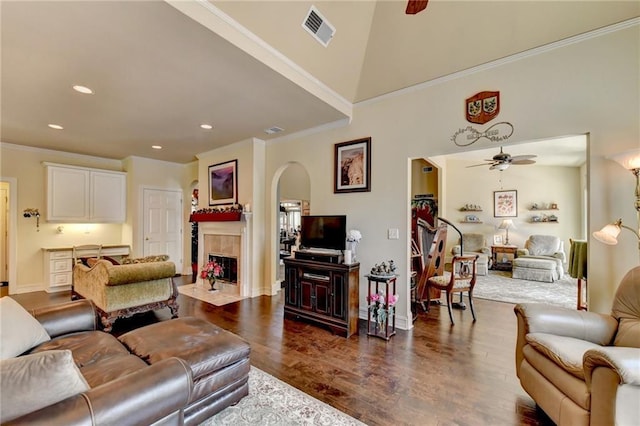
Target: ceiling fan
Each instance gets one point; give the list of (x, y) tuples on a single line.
[(415, 6), (502, 161)]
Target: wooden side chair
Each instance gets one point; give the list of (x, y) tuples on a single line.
[(462, 278), (433, 241)]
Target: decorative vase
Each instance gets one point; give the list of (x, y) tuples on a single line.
[(351, 245), (212, 283)]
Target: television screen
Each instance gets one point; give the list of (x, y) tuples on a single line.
[(327, 232)]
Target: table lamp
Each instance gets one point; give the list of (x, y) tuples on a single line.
[(506, 225)]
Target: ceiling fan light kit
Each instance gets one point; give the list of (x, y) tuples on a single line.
[(502, 161)]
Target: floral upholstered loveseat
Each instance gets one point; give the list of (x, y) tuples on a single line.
[(138, 285)]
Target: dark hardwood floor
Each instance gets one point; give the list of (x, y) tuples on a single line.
[(435, 374)]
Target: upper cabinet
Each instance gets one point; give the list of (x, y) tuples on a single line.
[(85, 195)]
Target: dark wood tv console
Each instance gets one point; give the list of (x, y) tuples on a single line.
[(324, 293)]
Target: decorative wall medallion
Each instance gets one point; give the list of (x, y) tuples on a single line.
[(483, 107), (496, 133)]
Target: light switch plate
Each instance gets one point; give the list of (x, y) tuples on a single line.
[(393, 234)]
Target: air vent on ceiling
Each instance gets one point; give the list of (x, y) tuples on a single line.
[(427, 169), (318, 26), (272, 130)]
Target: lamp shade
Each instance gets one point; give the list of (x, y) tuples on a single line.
[(629, 159), (507, 224), (608, 234)]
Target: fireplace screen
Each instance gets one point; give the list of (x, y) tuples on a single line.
[(229, 267)]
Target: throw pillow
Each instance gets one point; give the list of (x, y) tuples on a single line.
[(19, 330), (35, 381), (146, 259)]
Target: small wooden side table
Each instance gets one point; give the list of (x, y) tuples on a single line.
[(502, 257), (385, 330)]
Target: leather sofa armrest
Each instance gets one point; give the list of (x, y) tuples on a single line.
[(541, 318), (65, 318), (624, 361), (613, 378), (143, 397), (590, 326)]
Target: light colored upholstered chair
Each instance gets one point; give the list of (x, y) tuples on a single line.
[(475, 244), (545, 247), (583, 368), (123, 290)]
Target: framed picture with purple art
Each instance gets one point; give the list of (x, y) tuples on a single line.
[(223, 183), (505, 203)]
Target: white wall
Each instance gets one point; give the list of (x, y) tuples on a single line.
[(24, 164), (251, 162), (588, 87), (533, 183), (144, 173)]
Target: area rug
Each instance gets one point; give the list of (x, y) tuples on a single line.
[(499, 285), (198, 291), (273, 402)]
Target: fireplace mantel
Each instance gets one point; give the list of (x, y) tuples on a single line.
[(242, 229)]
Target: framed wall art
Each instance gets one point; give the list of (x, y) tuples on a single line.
[(223, 183), (505, 203), (352, 166)]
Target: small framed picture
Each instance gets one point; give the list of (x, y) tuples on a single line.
[(223, 183), (505, 203), (497, 240), (352, 166)]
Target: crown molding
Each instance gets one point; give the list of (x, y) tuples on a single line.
[(232, 31)]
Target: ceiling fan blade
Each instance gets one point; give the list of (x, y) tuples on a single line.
[(522, 157), (415, 6), (478, 165), (521, 162)]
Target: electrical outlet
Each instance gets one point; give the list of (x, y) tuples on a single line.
[(393, 234)]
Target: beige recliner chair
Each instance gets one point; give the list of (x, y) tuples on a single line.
[(583, 368)]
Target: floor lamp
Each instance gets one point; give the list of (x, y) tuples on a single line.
[(630, 160)]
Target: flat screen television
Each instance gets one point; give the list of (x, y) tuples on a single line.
[(324, 232)]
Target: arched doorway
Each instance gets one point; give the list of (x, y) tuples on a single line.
[(291, 198)]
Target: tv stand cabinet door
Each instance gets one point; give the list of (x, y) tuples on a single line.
[(292, 286)]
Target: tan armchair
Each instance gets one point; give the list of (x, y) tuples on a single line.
[(475, 244), (583, 368), (124, 290)]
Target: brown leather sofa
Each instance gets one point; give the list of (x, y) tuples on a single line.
[(179, 371), (583, 368)]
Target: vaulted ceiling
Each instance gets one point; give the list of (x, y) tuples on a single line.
[(160, 69)]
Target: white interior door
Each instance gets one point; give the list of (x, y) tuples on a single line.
[(163, 224)]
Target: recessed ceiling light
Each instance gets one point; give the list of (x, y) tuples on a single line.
[(156, 147), (56, 126), (206, 126), (83, 89)]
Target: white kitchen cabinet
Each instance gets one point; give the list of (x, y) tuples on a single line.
[(57, 270), (85, 195)]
